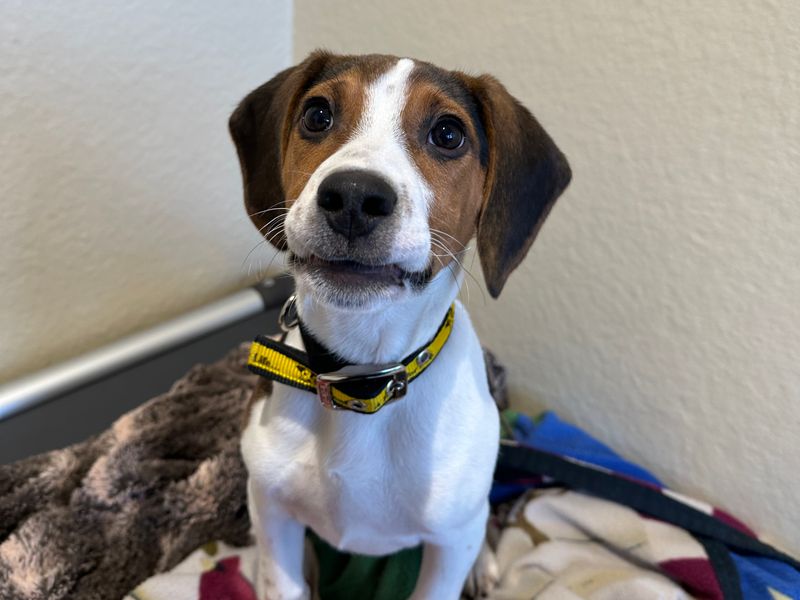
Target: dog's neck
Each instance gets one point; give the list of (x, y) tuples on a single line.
[(384, 334)]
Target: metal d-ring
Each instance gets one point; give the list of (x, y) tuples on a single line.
[(287, 319)]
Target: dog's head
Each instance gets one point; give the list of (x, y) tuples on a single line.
[(375, 172)]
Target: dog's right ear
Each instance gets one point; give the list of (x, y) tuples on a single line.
[(260, 128), (526, 174)]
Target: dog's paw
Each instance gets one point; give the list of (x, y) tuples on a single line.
[(269, 588), (483, 577), (265, 592)]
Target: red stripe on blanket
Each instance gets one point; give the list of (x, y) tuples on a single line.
[(729, 519), (225, 582), (696, 575)]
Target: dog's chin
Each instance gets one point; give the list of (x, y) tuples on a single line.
[(354, 285)]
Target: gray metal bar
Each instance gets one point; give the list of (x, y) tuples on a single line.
[(48, 383)]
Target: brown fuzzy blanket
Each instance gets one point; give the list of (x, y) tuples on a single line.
[(92, 521)]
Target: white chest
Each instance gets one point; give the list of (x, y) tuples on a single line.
[(373, 484)]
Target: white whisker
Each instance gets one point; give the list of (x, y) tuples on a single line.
[(440, 232), (261, 212), (448, 253), (442, 246)]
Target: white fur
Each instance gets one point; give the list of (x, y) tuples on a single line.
[(377, 145), (419, 470)]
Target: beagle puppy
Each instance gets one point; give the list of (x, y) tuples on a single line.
[(374, 173)]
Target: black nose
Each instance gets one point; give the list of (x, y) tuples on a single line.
[(354, 202)]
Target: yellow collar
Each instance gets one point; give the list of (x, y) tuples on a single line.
[(360, 388)]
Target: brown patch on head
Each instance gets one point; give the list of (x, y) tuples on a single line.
[(501, 187), (456, 183), (343, 84), (276, 159)]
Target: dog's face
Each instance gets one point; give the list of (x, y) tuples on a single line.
[(375, 172)]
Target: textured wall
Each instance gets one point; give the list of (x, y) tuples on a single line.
[(119, 188), (660, 307)]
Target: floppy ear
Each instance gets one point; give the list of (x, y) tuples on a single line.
[(525, 175), (260, 129)]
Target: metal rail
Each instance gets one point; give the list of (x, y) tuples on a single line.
[(26, 392)]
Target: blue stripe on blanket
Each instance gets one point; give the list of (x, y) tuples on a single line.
[(758, 574)]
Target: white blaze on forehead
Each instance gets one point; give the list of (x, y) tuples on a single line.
[(386, 98), (377, 144)]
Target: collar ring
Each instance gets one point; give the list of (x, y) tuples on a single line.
[(288, 317)]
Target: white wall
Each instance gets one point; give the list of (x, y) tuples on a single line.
[(119, 188), (660, 306)]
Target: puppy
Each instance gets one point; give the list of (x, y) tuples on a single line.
[(374, 173)]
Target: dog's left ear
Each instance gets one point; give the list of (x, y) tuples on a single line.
[(260, 128), (525, 175)]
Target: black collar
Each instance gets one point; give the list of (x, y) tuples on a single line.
[(320, 358), (339, 384)]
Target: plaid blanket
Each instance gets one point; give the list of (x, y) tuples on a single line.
[(589, 507)]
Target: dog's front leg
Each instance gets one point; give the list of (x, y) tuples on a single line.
[(280, 540), (445, 566)]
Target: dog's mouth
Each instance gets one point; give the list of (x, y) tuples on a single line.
[(346, 273)]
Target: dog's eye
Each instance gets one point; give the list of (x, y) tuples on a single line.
[(447, 134), (317, 116)]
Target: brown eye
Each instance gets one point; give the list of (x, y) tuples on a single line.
[(447, 134), (317, 116)]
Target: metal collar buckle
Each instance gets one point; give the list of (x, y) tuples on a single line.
[(287, 319), (396, 385)]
